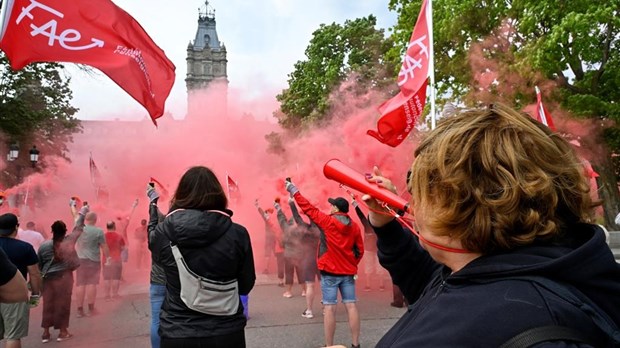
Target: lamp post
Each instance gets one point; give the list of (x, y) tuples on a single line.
[(13, 152), (34, 156)]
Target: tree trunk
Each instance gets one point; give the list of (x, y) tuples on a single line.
[(608, 191)]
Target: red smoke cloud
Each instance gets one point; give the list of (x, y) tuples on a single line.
[(226, 134)]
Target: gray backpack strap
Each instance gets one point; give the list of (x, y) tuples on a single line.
[(537, 335)]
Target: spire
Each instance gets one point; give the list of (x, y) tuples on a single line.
[(207, 13)]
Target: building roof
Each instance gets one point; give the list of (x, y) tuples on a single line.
[(206, 35)]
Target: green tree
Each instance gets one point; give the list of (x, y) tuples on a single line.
[(35, 108), (575, 44), (336, 53)]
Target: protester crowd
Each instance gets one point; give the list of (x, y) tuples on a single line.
[(493, 232)]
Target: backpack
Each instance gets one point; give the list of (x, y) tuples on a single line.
[(553, 333)]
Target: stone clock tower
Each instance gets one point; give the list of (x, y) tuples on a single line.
[(206, 59)]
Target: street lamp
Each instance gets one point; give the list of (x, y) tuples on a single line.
[(34, 155), (13, 152)]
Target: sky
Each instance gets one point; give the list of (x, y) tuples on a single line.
[(264, 39)]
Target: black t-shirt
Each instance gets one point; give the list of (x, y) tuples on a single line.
[(7, 268), (21, 253)]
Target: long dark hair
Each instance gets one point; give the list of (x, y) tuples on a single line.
[(199, 189), (59, 231)]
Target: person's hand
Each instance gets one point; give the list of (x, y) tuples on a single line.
[(152, 194), (34, 300), (290, 187), (375, 215), (84, 210), (108, 261)]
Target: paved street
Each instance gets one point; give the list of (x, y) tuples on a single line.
[(275, 321)]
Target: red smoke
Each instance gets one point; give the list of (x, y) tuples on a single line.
[(226, 134)]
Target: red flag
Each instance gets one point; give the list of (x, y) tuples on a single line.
[(233, 188), (399, 114), (95, 176), (164, 191), (542, 115), (91, 32)]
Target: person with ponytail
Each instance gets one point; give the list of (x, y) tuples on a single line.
[(57, 261)]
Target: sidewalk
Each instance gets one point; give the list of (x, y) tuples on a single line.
[(274, 322)]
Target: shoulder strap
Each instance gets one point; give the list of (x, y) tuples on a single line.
[(578, 299), (47, 267), (537, 335), (49, 264)]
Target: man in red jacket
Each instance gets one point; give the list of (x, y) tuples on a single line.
[(340, 250)]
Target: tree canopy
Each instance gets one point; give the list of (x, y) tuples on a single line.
[(335, 53), (574, 45), (35, 107)]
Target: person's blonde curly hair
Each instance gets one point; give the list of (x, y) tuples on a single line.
[(496, 179)]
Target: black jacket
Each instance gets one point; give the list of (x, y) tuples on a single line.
[(481, 306), (158, 275), (214, 247)]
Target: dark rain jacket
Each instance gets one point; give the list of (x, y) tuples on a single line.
[(483, 305), (158, 275), (341, 247), (214, 247)]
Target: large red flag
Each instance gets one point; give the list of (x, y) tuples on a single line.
[(542, 115), (399, 114), (92, 32)]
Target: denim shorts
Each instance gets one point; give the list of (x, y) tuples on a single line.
[(331, 284)]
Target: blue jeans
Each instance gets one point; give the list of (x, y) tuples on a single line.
[(157, 294), (331, 284), (245, 301)]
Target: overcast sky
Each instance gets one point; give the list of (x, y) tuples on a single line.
[(264, 39)]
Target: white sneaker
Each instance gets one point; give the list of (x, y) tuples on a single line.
[(287, 294), (307, 314)]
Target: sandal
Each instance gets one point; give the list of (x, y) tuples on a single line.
[(62, 337)]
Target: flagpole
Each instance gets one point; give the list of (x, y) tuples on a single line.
[(27, 191), (5, 13), (227, 186), (431, 63)]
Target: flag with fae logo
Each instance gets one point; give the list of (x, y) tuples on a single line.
[(92, 32), (399, 114)]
